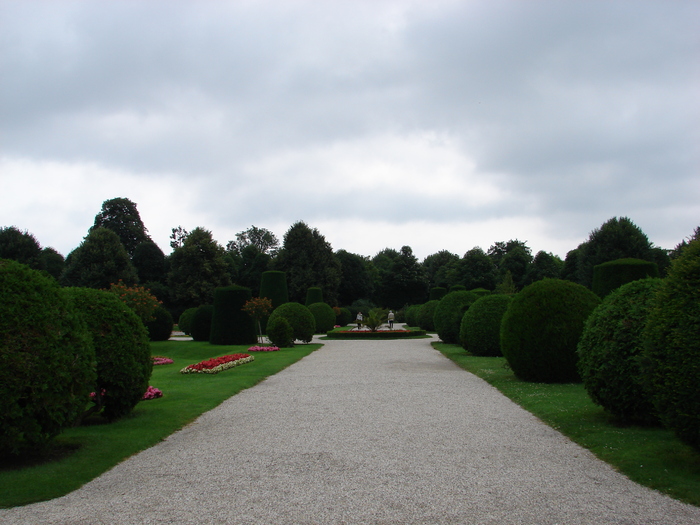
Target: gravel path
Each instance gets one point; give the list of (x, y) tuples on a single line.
[(381, 432)]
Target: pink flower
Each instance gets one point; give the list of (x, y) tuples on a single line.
[(263, 349), (152, 393)]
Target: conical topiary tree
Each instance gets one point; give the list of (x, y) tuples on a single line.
[(230, 325)]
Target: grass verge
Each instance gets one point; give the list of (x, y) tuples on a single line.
[(651, 456), (83, 453)]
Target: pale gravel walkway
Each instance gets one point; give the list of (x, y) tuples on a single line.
[(386, 432)]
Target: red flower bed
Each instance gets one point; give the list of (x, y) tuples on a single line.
[(217, 364)]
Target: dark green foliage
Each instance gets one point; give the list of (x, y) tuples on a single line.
[(344, 317), (613, 274), (480, 329), (401, 279), (544, 266), (299, 317), (52, 262), (324, 317), (314, 295), (122, 350), (121, 216), (161, 327), (435, 267), (411, 314), (513, 256), (474, 270), (308, 260), (449, 312), (149, 261), (609, 352), (247, 266), (184, 323), (280, 332), (457, 288), (263, 240), (481, 291), (197, 268), (615, 239), (541, 328), (570, 269), (355, 282), (99, 261), (673, 346), (46, 359), (230, 325), (426, 315), (20, 246), (273, 285), (437, 293), (201, 322)]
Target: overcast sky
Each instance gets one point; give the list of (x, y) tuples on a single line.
[(434, 124)]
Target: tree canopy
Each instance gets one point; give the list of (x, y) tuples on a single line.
[(20, 246), (121, 216)]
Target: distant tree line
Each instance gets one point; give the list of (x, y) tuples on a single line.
[(118, 247)]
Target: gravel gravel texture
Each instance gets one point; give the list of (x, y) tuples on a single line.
[(371, 432)]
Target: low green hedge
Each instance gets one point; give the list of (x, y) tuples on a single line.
[(382, 334)]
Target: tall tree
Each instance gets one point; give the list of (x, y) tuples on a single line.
[(401, 281), (121, 216), (435, 267), (197, 268), (308, 260), (20, 246), (177, 237), (356, 281), (544, 265), (149, 261), (517, 262), (248, 266), (474, 270), (264, 240), (615, 239), (99, 261), (52, 262)]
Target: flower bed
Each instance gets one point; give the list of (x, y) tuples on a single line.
[(263, 349), (380, 334), (160, 360), (217, 364), (152, 393)]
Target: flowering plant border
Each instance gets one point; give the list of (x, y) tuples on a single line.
[(217, 364), (161, 360), (380, 334), (263, 348), (152, 393)]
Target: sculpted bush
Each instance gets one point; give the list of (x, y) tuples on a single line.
[(46, 359), (299, 318), (324, 316), (449, 312), (161, 327), (426, 315), (480, 330)]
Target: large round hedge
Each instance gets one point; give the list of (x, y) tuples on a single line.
[(230, 324), (280, 332), (160, 327), (201, 322), (300, 319), (122, 350), (426, 315), (46, 359), (609, 352), (324, 316), (541, 328), (673, 346), (480, 330), (449, 312)]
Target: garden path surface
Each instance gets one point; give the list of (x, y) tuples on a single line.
[(373, 432)]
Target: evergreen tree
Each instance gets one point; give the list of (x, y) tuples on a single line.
[(309, 261), (149, 261), (52, 262), (197, 268), (356, 281), (121, 216), (20, 246)]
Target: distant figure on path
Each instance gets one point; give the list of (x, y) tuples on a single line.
[(359, 320), (390, 317)]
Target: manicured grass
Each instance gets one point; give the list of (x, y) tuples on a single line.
[(651, 456), (99, 446)]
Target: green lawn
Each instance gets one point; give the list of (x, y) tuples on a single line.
[(650, 456), (95, 448)]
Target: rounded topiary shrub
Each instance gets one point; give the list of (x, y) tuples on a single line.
[(201, 322), (449, 312), (480, 330), (672, 346), (426, 315), (609, 350), (314, 295), (300, 319), (344, 318), (324, 316), (161, 327), (437, 293), (280, 332), (411, 314), (613, 274), (184, 323), (230, 324), (541, 328), (122, 350), (46, 359), (480, 291)]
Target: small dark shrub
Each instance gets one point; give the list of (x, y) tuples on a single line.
[(480, 330), (324, 317), (673, 346), (411, 315), (122, 350), (449, 312), (46, 359), (344, 318), (541, 328), (300, 319), (201, 322), (231, 325), (437, 293), (280, 332), (426, 315), (613, 274), (161, 327), (314, 295), (609, 352), (185, 321)]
